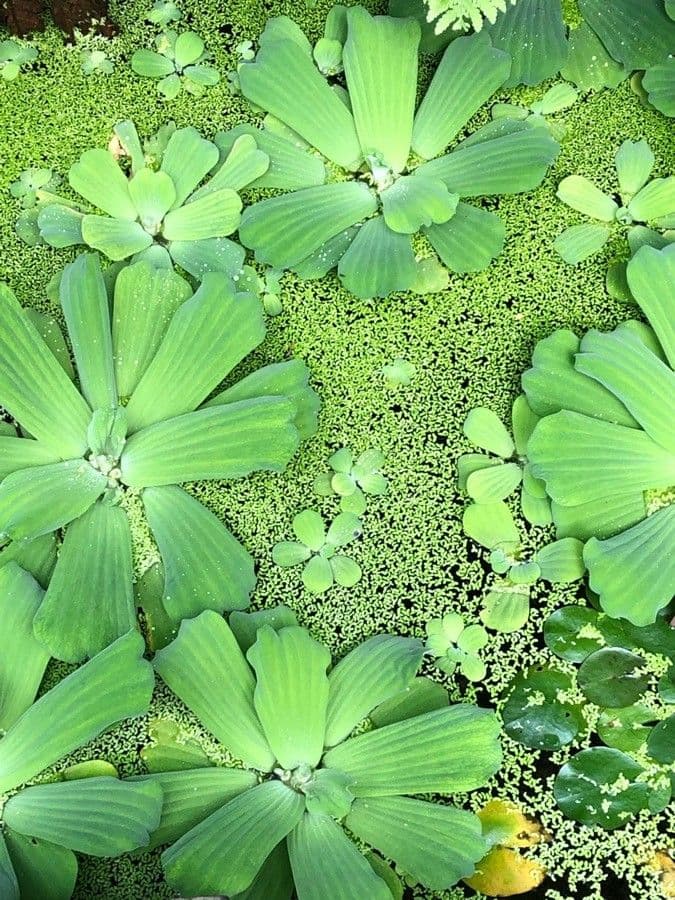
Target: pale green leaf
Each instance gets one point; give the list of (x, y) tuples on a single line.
[(171, 86), (215, 214), (470, 240), (421, 696), (97, 177), (187, 159), (60, 226), (599, 518), (317, 576), (634, 164), (490, 524), (153, 195), (346, 571), (208, 255), (578, 242), (533, 33), (493, 483), (485, 429), (115, 238), (290, 167), (638, 33), (412, 202), (579, 193), (245, 625), (44, 870), (37, 557), (188, 48), (309, 529), (280, 28), (149, 64), (561, 561), (49, 330), (244, 164), (654, 201), (378, 262), (651, 274)]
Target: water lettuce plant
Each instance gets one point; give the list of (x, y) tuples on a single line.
[(311, 794), (352, 479), (13, 57), (454, 645), (112, 448), (46, 817), (605, 445), (391, 176), (179, 63)]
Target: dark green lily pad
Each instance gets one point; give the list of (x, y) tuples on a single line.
[(626, 729), (612, 677), (534, 716), (572, 633)]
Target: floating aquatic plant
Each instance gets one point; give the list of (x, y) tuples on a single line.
[(454, 645), (353, 479), (13, 57), (179, 63)]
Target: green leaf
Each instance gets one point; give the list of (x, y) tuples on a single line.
[(556, 99), (245, 626), (97, 177), (287, 554), (149, 64), (613, 677), (469, 73), (187, 159), (291, 693), (485, 429), (599, 518), (490, 524), (205, 566), (34, 389), (561, 561), (225, 852), (494, 482), (371, 674), (22, 453), (145, 302), (190, 797), (635, 558), (37, 557), (317, 576), (43, 870), (115, 238), (274, 881), (661, 743), (41, 499), (280, 28), (23, 659), (207, 337), (114, 685), (506, 607), (659, 82), (578, 242), (209, 255), (535, 717), (244, 164), (285, 230), (188, 48), (378, 262), (572, 633), (445, 751), (60, 226), (436, 845), (533, 33), (8, 880), (651, 274), (634, 164), (85, 306), (470, 240), (153, 195), (345, 528), (508, 163), (284, 81), (309, 528), (99, 816), (326, 863), (638, 33), (415, 201), (290, 168), (218, 442), (380, 62), (600, 786), (171, 86), (617, 460), (580, 194), (91, 585), (654, 201), (624, 729), (589, 66), (421, 696), (215, 214)]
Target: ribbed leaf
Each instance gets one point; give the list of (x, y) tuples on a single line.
[(150, 64), (192, 796), (643, 383), (651, 275), (92, 585), (437, 845), (506, 164), (33, 386), (243, 165), (634, 573), (114, 685), (412, 202), (216, 214), (469, 73), (659, 82), (327, 866), (98, 816), (470, 240), (290, 168), (490, 524), (553, 383), (533, 33), (378, 262), (274, 881), (37, 557), (291, 693), (578, 242), (41, 499), (115, 238), (588, 65), (634, 164), (43, 870), (206, 669), (210, 255), (581, 194), (638, 33), (599, 518), (23, 659), (494, 482), (209, 334), (205, 566), (380, 62), (219, 442), (448, 750), (284, 81), (85, 306), (616, 460), (60, 226), (97, 177), (146, 299), (319, 263), (288, 379), (187, 159), (224, 853), (373, 672), (285, 230), (22, 453), (654, 201), (9, 884), (153, 194)]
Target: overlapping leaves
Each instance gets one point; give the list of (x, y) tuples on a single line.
[(138, 424), (261, 687)]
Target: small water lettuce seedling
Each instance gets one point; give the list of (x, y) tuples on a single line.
[(29, 182), (557, 98), (452, 644), (179, 63), (96, 61), (390, 176), (311, 796), (114, 448), (45, 819), (399, 373), (14, 55), (317, 547), (352, 479), (605, 443), (644, 202), (164, 12)]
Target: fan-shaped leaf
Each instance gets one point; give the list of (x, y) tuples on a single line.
[(654, 201), (187, 159), (150, 64), (578, 242), (638, 33), (490, 524), (290, 168), (153, 194), (581, 194), (659, 82), (588, 65), (60, 226), (43, 870), (115, 238), (97, 177), (634, 164), (561, 561), (533, 33), (209, 255), (470, 240), (412, 202), (378, 261), (215, 214), (651, 274), (493, 483)]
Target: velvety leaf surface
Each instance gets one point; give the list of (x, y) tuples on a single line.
[(651, 274), (43, 870), (290, 168), (115, 238), (378, 261), (470, 240), (97, 177), (533, 33), (187, 159), (638, 33)]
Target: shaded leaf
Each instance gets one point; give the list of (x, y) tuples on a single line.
[(43, 870), (533, 33), (378, 261), (470, 240), (637, 33), (588, 65)]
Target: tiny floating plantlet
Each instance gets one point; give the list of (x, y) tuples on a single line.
[(13, 57), (179, 63), (353, 479)]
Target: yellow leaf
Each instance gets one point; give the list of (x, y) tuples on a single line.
[(504, 873), (505, 824), (663, 862)]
